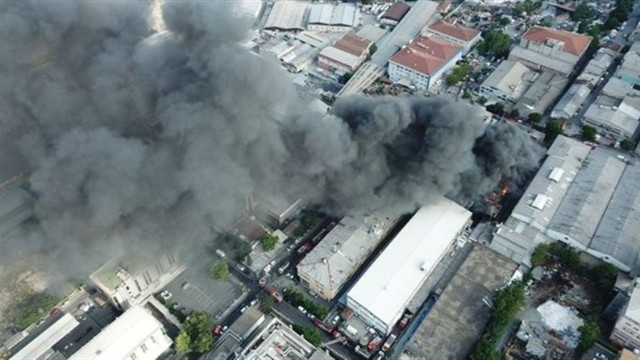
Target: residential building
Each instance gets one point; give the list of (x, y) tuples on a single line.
[(550, 49), (40, 346), (395, 13), (587, 198), (345, 55), (340, 253), (423, 61), (626, 332), (454, 33), (382, 293), (335, 18), (127, 285), (508, 82), (287, 16), (135, 335), (571, 101)]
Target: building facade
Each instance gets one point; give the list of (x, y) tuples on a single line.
[(627, 329), (454, 33)]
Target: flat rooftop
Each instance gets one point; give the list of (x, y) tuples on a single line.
[(393, 278), (277, 341), (459, 316)]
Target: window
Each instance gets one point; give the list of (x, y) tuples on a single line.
[(144, 348)]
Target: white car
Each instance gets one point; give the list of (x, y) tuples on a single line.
[(302, 310), (254, 302), (244, 309), (166, 295), (240, 267)]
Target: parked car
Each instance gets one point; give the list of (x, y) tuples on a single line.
[(166, 295), (302, 310), (244, 309), (240, 267), (217, 330), (254, 302)]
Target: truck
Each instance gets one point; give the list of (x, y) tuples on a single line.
[(351, 330), (276, 295), (283, 268), (387, 344), (374, 343)]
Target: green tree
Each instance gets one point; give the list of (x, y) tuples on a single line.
[(539, 255), (466, 94), (313, 336), (514, 113), (589, 332), (551, 132), (627, 145), (535, 117), (373, 49), (34, 308), (458, 74), (603, 276), (496, 43), (504, 21), (583, 27), (497, 108), (581, 13), (183, 343), (219, 270), (345, 78), (589, 133), (204, 342), (197, 326), (268, 242), (267, 304), (481, 100)]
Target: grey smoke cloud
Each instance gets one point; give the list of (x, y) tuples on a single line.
[(157, 138)]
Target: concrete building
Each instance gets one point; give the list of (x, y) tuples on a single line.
[(571, 101), (596, 67), (231, 341), (627, 329), (371, 32), (40, 347), (275, 211), (129, 285), (614, 118), (550, 49), (381, 295), (287, 15), (423, 61), (135, 335), (345, 55), (508, 82), (316, 40), (333, 261), (395, 13), (587, 198), (276, 341), (335, 18), (454, 33), (544, 90)]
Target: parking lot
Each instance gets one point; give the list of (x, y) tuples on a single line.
[(598, 352), (194, 290)]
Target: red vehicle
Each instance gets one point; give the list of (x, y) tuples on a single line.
[(304, 248), (387, 344), (217, 330), (262, 282), (273, 292), (374, 343), (403, 323)]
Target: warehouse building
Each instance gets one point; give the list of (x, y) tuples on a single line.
[(135, 335), (335, 18), (550, 49), (454, 33), (381, 295), (508, 82), (41, 346), (571, 101), (333, 261), (597, 66), (345, 55), (287, 16), (587, 198), (544, 90), (395, 13), (616, 119), (423, 61)]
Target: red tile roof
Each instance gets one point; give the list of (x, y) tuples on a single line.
[(353, 44), (426, 54), (396, 11), (454, 30), (574, 43)]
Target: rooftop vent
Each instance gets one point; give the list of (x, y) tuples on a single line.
[(556, 174), (540, 201)]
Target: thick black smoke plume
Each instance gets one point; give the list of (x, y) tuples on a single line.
[(157, 137)]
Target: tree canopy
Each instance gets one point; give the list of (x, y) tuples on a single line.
[(535, 117), (627, 145), (582, 12), (551, 132), (589, 332), (268, 242), (183, 343), (458, 73), (312, 335), (496, 43), (219, 270), (589, 133), (196, 333), (497, 108)]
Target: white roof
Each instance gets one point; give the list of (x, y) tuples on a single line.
[(124, 336), (394, 277), (345, 14), (47, 339), (511, 77), (287, 15)]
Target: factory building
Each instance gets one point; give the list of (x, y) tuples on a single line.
[(340, 253), (454, 33), (345, 55), (395, 13), (135, 335), (587, 198), (381, 295), (571, 101), (41, 345), (287, 16), (335, 18), (423, 61), (508, 82), (550, 49)]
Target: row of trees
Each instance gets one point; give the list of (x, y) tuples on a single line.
[(619, 14), (296, 298), (506, 304), (310, 334), (196, 334)]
